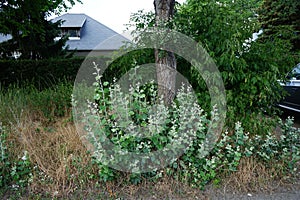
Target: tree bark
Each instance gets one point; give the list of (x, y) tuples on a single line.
[(165, 60)]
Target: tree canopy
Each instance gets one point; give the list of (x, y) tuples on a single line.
[(32, 34), (281, 19), (250, 69)]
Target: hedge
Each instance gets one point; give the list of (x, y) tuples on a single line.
[(41, 73)]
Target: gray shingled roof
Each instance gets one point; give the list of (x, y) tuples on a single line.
[(94, 35), (71, 20)]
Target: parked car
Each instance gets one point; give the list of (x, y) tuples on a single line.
[(292, 86)]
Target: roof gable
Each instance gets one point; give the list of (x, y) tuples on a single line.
[(71, 20), (94, 35)]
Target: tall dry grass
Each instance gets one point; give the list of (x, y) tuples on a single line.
[(40, 123), (253, 176), (55, 150)]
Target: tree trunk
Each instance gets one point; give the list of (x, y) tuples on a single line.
[(165, 61)]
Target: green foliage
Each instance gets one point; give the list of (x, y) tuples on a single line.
[(122, 64), (199, 165), (249, 73), (281, 153), (52, 102), (224, 157), (4, 163), (21, 171), (122, 116), (220, 26), (105, 173), (281, 19), (250, 69), (44, 73), (141, 20), (284, 148), (15, 172)]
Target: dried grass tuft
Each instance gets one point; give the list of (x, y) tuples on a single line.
[(165, 188), (252, 176), (56, 151)]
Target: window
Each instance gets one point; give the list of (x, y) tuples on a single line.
[(73, 33)]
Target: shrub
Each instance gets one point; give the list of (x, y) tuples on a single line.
[(42, 73), (279, 152), (196, 166), (108, 124), (249, 73), (139, 122)]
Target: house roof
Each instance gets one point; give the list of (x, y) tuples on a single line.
[(71, 20), (94, 35)]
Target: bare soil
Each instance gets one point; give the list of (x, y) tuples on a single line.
[(276, 191)]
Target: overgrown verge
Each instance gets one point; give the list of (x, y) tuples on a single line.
[(275, 148), (42, 152)]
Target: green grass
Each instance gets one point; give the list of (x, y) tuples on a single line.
[(51, 102)]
